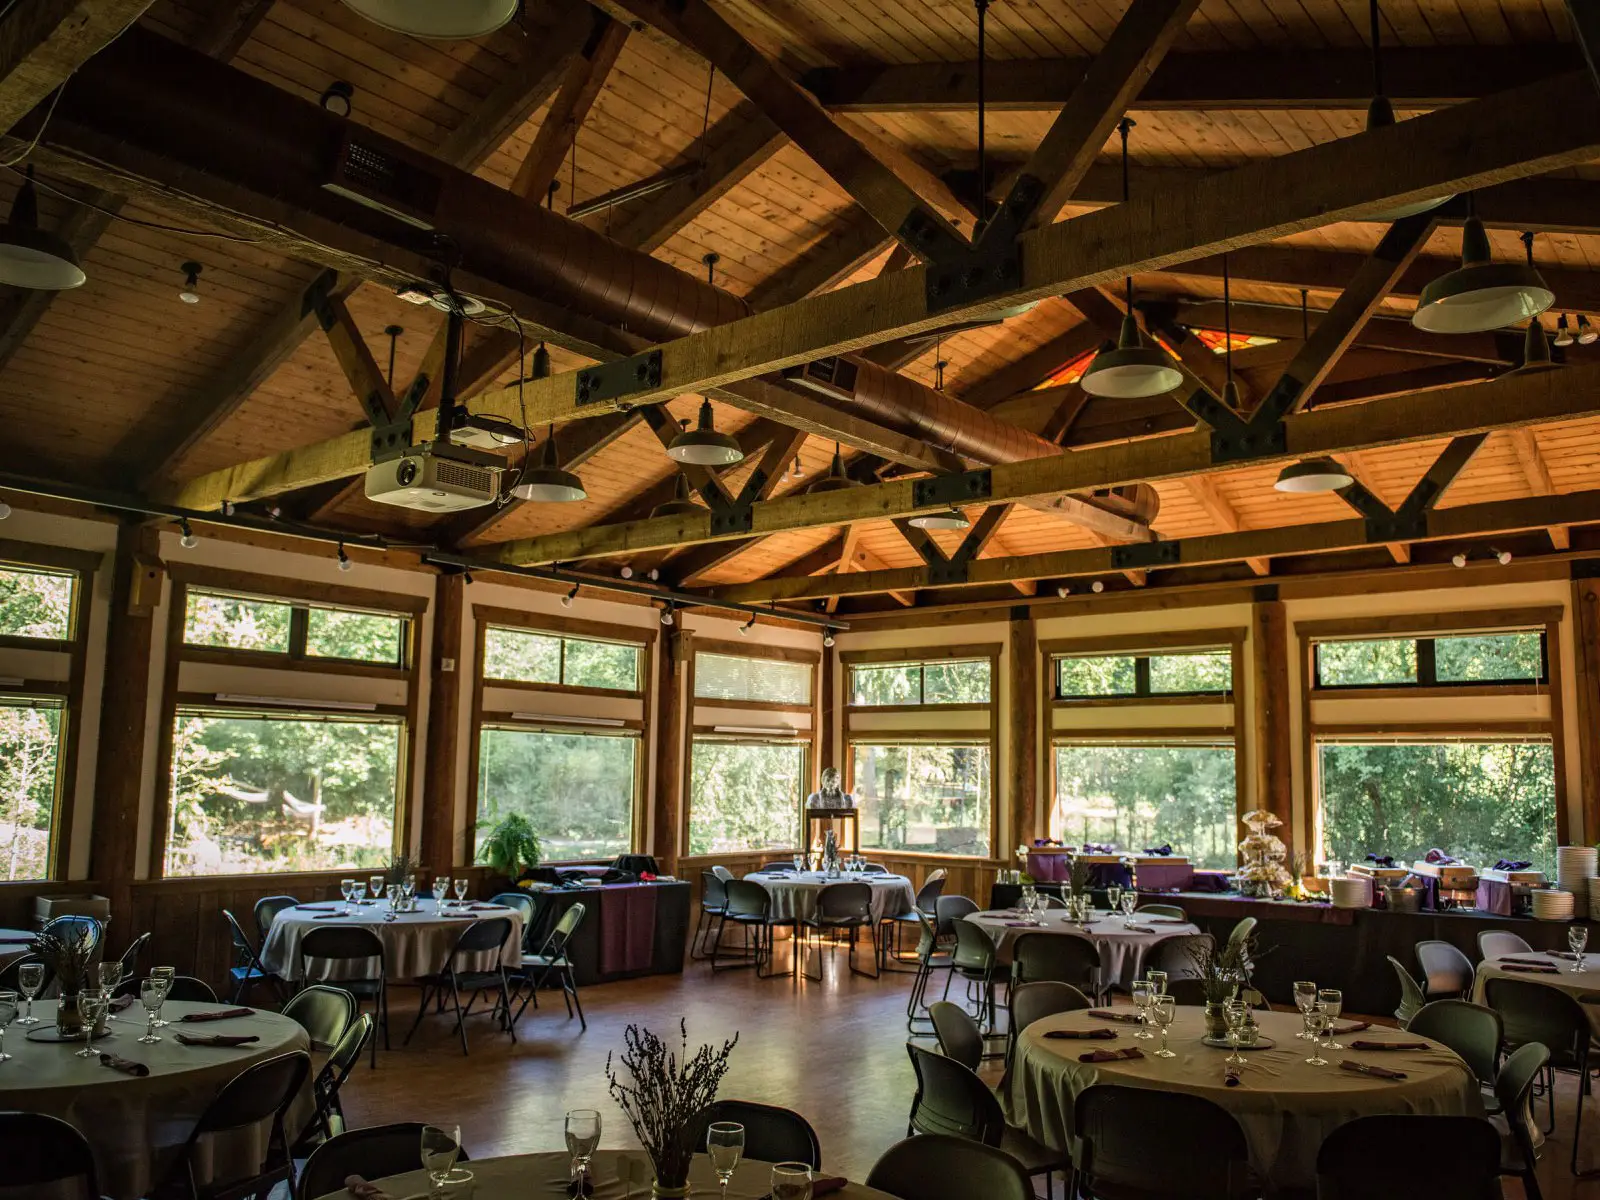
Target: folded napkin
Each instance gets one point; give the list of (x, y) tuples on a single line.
[(825, 1185), (1361, 1068), (1104, 1056), (123, 1003), (218, 1014), (1353, 1027), (1098, 1035), (317, 907), (217, 1039), (1158, 851), (1566, 954), (1098, 848), (1168, 920), (1525, 961), (126, 1065), (1381, 860), (485, 907), (332, 916), (1140, 928), (1439, 858), (1105, 1014), (1530, 968), (1508, 864), (1365, 1045), (1022, 925), (1230, 1077), (362, 1190)]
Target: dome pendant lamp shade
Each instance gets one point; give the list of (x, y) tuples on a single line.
[(951, 518), (680, 505), (1535, 348), (31, 257), (835, 480), (442, 19), (1481, 295), (703, 446), (1132, 371), (548, 482), (1313, 475)]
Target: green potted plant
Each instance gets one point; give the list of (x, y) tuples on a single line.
[(511, 846)]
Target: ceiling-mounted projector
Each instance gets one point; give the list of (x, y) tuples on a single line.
[(432, 479)]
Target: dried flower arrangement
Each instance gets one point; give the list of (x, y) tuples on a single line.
[(401, 867), (667, 1089)]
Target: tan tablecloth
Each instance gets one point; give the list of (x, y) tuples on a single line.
[(795, 897), (1285, 1107), (414, 943), (520, 1176), (1122, 950), (136, 1125), (1575, 983)]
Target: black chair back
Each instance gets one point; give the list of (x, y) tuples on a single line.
[(771, 1134), (188, 988), (521, 902), (1513, 1088), (1471, 1030), (342, 943), (480, 937), (637, 864), (958, 1034), (1178, 956), (130, 956), (267, 910), (930, 891), (713, 892), (1202, 1150), (372, 1153), (72, 926), (1065, 959), (323, 1012), (1498, 943), (325, 1087), (1446, 972), (747, 901), (565, 928), (255, 1094), (1532, 1012), (1187, 992), (948, 911), (934, 1167), (974, 953), (775, 866), (873, 868), (844, 904), (13, 969), (41, 1151), (1032, 1002), (1411, 997), (1458, 1156), (951, 1099)]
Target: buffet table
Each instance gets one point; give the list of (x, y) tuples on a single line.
[(628, 929)]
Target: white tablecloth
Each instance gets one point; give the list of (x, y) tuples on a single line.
[(414, 943), (137, 1125), (1122, 950), (795, 896), (1576, 984), (1285, 1107)]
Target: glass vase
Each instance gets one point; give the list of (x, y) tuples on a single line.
[(69, 1018), (1216, 1020)]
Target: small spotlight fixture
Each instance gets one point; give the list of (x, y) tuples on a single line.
[(1097, 587), (467, 576), (188, 540), (1563, 336), (1063, 591), (338, 97), (191, 283), (655, 574), (566, 601), (5, 510), (666, 615), (1587, 334), (344, 559), (744, 630), (626, 572), (827, 639), (1458, 559), (1503, 557)]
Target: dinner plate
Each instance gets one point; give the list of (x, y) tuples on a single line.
[(1222, 1043)]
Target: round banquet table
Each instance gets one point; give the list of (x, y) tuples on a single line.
[(1122, 950), (414, 943), (137, 1125), (1285, 1107), (519, 1176), (1576, 984), (794, 896)]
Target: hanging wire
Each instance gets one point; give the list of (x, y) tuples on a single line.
[(705, 120), (573, 187), (711, 259), (1123, 126), (1305, 316), (394, 332), (1527, 244), (1377, 57)]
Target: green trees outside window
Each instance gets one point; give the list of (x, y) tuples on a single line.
[(36, 603), (764, 680), (30, 753), (955, 682), (1183, 673), (525, 656), (745, 795), (929, 798), (576, 789), (1137, 795), (222, 621), (1433, 661)]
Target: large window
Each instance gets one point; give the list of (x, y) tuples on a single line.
[(745, 795), (1477, 799), (292, 791), (523, 656), (920, 683), (576, 789), (30, 781), (928, 797), (220, 620), (1447, 661), (1184, 673), (1138, 794), (752, 680), (37, 603)]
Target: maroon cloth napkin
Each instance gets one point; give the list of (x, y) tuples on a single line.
[(1530, 968), (1361, 1068), (1365, 1045), (217, 1039), (1230, 1077), (1102, 1056), (1105, 1014), (1527, 960), (826, 1185), (220, 1014), (1021, 925), (1168, 920), (317, 907), (1105, 1035), (123, 1003), (332, 916), (362, 1190), (485, 907), (1140, 928), (1566, 954), (126, 1065), (1353, 1027)]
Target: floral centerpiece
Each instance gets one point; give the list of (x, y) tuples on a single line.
[(68, 948), (1263, 874), (1222, 971), (659, 1090)]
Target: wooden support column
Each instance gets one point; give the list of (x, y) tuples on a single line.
[(131, 646), (445, 673), (1271, 747), (672, 715), (828, 709), (1023, 729), (1586, 656)]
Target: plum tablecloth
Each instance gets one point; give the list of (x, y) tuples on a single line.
[(414, 943), (1122, 950), (795, 896)]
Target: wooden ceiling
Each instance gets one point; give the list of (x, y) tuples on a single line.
[(120, 382)]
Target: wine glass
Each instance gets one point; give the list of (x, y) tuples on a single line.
[(725, 1145), (1114, 897), (1577, 939), (152, 994), (92, 1005), (1158, 982), (1164, 1009), (110, 974), (799, 864), (375, 887), (1129, 899), (30, 978), (461, 889), (165, 976), (1305, 997), (1318, 1022), (1332, 999), (583, 1135), (8, 1014), (791, 1181), (347, 889), (391, 893), (441, 892), (1235, 1011), (1142, 995), (440, 1147)]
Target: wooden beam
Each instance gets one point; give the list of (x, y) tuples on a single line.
[(447, 675), (1272, 748), (1537, 472), (43, 42), (1444, 471), (674, 652), (1221, 510), (229, 27), (360, 369), (1035, 365), (847, 558), (1513, 400), (769, 473), (850, 244), (1353, 462), (1022, 730), (581, 85), (824, 558)]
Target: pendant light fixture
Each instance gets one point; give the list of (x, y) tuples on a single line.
[(31, 257), (1313, 475), (1133, 370), (1482, 295), (1535, 348), (835, 480), (681, 505), (951, 518), (549, 482), (441, 19), (703, 446), (1380, 113)]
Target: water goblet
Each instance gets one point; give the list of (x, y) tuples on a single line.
[(441, 892), (347, 889), (1142, 995), (725, 1145), (1164, 1009), (165, 975), (1114, 897), (375, 886), (30, 978), (408, 888), (791, 1181), (1235, 1011), (92, 1004), (1305, 996), (461, 888), (1577, 939), (391, 893), (152, 994), (1129, 899), (1332, 999), (799, 864), (1318, 1022), (1158, 982), (8, 1014), (583, 1135), (110, 974), (440, 1148)]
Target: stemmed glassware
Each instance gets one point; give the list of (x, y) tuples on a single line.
[(1158, 982), (8, 1014), (725, 1145), (791, 1181), (583, 1135), (1142, 995), (408, 890), (1305, 998), (166, 975), (1114, 897), (1235, 1011), (152, 994), (375, 887), (1164, 1009), (347, 889), (110, 974), (440, 1149), (1332, 1000), (30, 978), (92, 1004), (462, 883), (441, 892), (800, 864), (1129, 899), (1577, 939), (1318, 1022)]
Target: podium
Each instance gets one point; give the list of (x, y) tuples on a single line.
[(843, 821)]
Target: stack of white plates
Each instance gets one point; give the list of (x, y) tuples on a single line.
[(1553, 904), (1351, 891), (1574, 866)]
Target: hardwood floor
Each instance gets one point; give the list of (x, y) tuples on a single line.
[(834, 1051)]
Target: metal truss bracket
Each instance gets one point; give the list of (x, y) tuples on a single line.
[(974, 274), (948, 573), (315, 299), (733, 518), (615, 380), (965, 487), (1020, 204), (1248, 442), (1139, 555), (390, 441), (1402, 526)]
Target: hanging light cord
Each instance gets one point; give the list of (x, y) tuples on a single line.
[(1123, 126), (705, 120), (1305, 317), (1377, 57), (1527, 244), (983, 166)]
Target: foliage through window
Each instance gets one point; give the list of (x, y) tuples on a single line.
[(296, 791), (1479, 800), (958, 681), (36, 603), (1179, 673), (1134, 795), (1433, 661), (524, 656), (237, 623), (30, 759), (760, 680), (923, 797), (355, 636), (576, 789), (745, 795), (222, 621)]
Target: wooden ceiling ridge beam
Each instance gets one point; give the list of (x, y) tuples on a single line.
[(45, 41)]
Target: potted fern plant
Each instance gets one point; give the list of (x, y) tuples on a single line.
[(511, 846)]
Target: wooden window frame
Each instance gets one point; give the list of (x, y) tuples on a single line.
[(970, 652), (1425, 629), (486, 616), (726, 649), (1141, 648), (808, 769)]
